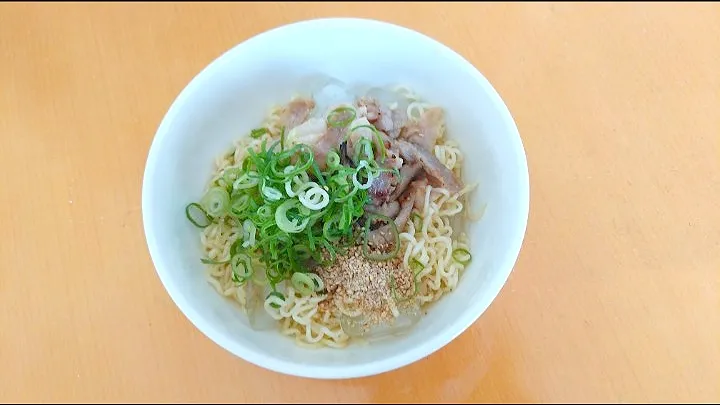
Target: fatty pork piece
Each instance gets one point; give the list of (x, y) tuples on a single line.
[(316, 134), (389, 209), (383, 236), (426, 130), (386, 120), (295, 113), (437, 173)]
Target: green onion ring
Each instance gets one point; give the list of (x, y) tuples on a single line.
[(277, 295), (242, 268), (335, 122), (332, 160), (285, 224), (216, 201), (258, 132), (462, 256), (302, 283), (207, 219), (210, 261), (396, 245), (416, 266)]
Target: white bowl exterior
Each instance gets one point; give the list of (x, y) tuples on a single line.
[(233, 94)]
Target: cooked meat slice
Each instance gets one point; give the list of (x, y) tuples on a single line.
[(398, 120), (406, 206), (329, 141), (426, 130), (439, 175), (392, 159), (389, 209), (381, 188), (309, 132), (408, 171), (383, 235), (417, 190), (371, 108), (384, 119), (296, 112)]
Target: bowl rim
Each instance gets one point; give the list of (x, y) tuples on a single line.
[(463, 321)]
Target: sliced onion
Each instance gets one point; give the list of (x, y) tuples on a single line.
[(352, 325), (401, 325)]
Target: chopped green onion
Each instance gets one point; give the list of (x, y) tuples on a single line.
[(318, 175), (277, 295), (282, 220), (216, 201), (302, 283), (285, 224), (347, 196), (206, 219), (329, 249), (332, 160), (302, 252), (241, 268), (416, 266), (317, 281), (314, 197), (282, 139), (239, 204), (235, 247), (275, 274), (462, 256), (249, 230), (231, 174), (271, 193), (246, 180), (328, 231), (265, 212), (393, 228), (210, 261), (258, 132), (363, 186), (378, 138), (341, 117), (364, 145), (300, 166)]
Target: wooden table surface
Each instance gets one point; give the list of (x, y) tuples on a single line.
[(615, 296)]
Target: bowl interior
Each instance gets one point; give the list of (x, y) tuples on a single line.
[(232, 96)]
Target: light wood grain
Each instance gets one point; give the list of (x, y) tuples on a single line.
[(615, 296)]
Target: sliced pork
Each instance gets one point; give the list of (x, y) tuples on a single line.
[(329, 141), (389, 210), (425, 131), (407, 173), (296, 112), (384, 119), (439, 175), (383, 235)]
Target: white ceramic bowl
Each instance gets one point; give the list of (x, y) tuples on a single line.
[(233, 94)]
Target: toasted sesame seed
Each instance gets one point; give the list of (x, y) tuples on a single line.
[(368, 287)]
